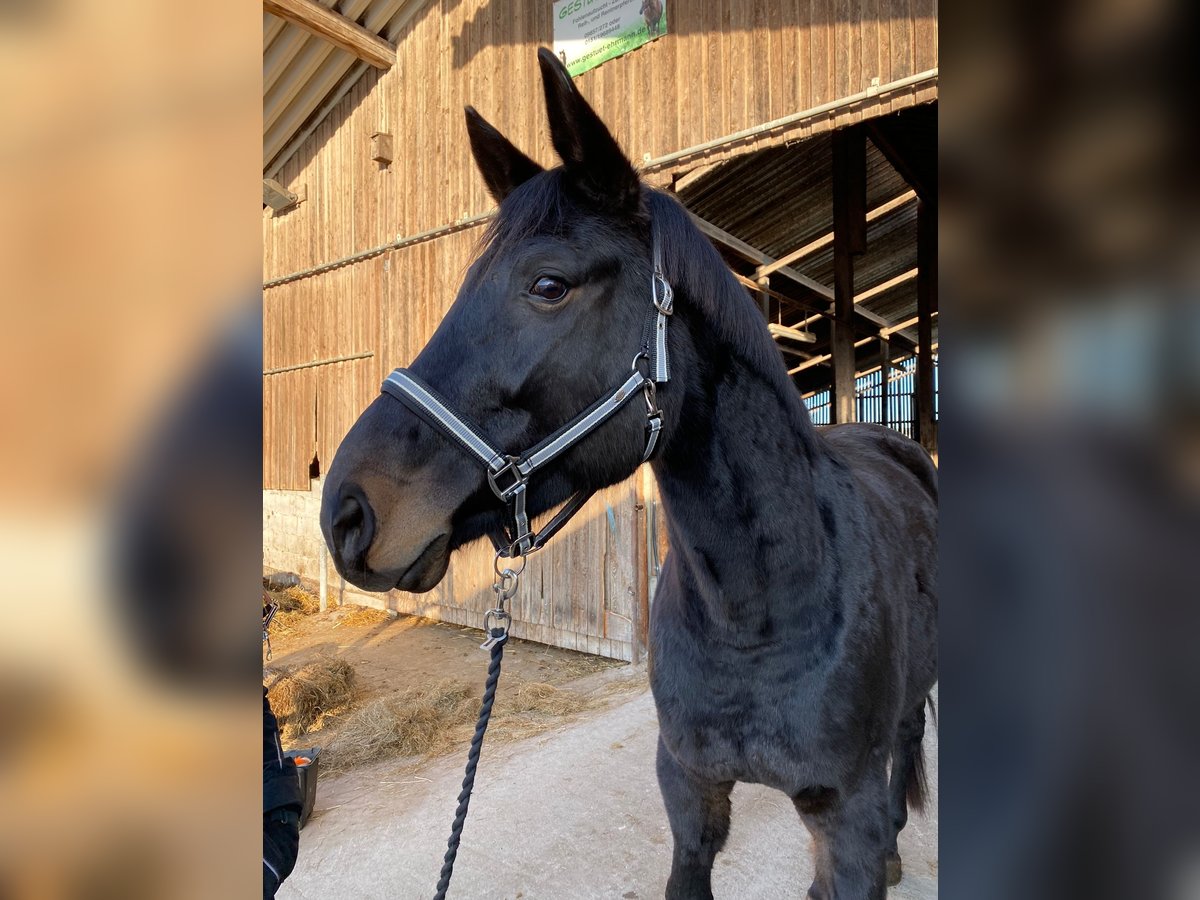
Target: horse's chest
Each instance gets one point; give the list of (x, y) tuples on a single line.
[(734, 728)]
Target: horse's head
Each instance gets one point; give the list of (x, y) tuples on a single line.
[(549, 318)]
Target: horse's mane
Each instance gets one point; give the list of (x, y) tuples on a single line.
[(699, 276)]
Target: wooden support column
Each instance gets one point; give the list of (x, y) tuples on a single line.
[(926, 307), (849, 239), (885, 379), (764, 298), (642, 530)]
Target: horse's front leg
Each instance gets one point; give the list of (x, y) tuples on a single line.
[(851, 831), (699, 815)]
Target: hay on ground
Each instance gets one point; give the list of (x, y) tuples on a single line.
[(297, 599), (295, 605), (363, 615), (438, 718), (303, 698), (416, 722)]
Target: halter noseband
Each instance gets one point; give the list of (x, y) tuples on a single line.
[(508, 475)]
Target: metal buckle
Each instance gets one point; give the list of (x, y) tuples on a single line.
[(510, 467), (666, 305), (503, 619), (651, 394)]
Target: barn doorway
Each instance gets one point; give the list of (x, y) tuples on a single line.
[(836, 237)]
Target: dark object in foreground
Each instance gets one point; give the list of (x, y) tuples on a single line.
[(308, 772), (282, 806)]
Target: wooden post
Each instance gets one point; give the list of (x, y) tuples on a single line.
[(885, 377), (849, 239), (764, 299), (324, 576), (926, 307), (641, 564)]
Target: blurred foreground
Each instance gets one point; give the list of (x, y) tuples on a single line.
[(130, 247), (1071, 455)]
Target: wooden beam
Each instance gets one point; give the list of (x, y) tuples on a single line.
[(737, 245), (849, 240), (900, 326), (824, 358), (335, 28), (825, 240), (691, 177), (276, 196), (887, 133), (885, 286)]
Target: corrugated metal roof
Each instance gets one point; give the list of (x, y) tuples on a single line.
[(301, 70), (780, 199)]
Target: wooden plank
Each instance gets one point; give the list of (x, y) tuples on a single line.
[(826, 239), (885, 286), (755, 255), (639, 556), (335, 28)]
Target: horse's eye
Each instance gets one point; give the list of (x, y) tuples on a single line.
[(549, 288)]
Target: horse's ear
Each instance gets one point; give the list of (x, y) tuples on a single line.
[(592, 157), (502, 165)]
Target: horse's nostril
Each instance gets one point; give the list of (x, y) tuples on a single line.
[(353, 526)]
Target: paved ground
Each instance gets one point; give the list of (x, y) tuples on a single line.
[(570, 815)]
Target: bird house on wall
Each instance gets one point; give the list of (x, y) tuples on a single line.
[(381, 148)]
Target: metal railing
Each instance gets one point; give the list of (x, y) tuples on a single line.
[(901, 411)]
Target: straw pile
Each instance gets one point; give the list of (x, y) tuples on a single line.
[(363, 615), (295, 604), (431, 720), (303, 699), (416, 722)]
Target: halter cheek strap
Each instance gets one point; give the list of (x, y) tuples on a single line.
[(508, 475)]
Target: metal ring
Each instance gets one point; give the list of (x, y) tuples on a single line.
[(642, 354), (509, 556)]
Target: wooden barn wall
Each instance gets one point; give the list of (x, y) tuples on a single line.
[(725, 66)]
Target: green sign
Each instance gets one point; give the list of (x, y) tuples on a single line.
[(589, 32)]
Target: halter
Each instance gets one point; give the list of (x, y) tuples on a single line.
[(508, 474)]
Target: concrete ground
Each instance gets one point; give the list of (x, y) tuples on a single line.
[(571, 814)]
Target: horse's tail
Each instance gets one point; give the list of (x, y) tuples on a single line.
[(916, 786)]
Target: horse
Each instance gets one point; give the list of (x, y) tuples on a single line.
[(792, 636), (651, 11)]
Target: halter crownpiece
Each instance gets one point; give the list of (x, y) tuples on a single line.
[(508, 475)]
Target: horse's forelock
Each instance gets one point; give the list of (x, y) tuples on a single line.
[(536, 207)]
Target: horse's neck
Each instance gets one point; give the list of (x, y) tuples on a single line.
[(740, 482)]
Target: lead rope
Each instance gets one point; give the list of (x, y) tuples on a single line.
[(495, 623)]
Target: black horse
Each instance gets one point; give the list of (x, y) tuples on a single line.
[(793, 634)]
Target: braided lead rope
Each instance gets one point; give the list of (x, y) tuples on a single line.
[(464, 798)]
